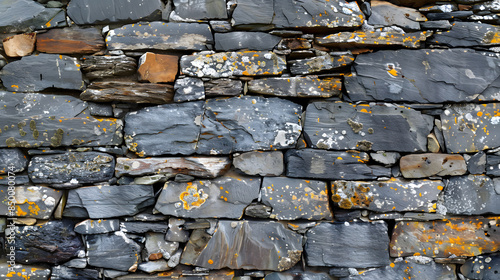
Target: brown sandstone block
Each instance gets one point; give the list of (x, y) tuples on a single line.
[(158, 68)]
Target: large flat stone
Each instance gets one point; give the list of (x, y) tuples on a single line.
[(30, 201), (71, 40), (161, 36), (133, 92), (409, 269), (200, 9), (62, 272), (387, 14), (372, 39), (223, 87), (451, 238), (484, 267), (309, 275), (43, 71), (309, 87), (113, 250), (260, 163), (492, 165), (387, 196), (468, 34), (12, 161), (24, 15), (344, 126), (257, 41), (432, 164), (357, 245), (318, 164), (99, 67), (323, 63), (157, 68)]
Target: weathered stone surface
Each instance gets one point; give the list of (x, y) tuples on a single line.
[(98, 67), (257, 41), (19, 180), (372, 39), (156, 247), (290, 14), (71, 40), (475, 128), (258, 210), (226, 64), (386, 196), (416, 270), (386, 158), (62, 272), (451, 15), (468, 34), (24, 15), (96, 11), (200, 9), (71, 168), (260, 163), (205, 167), (317, 164), (147, 132), (454, 237), (431, 164), (294, 44), (293, 199), (23, 272), (493, 165), (224, 197), (30, 201), (477, 163), (297, 275), (236, 243), (308, 86), (366, 127), (39, 72), (53, 242), (161, 36), (157, 68), (223, 87), (154, 266), (97, 202), (142, 227), (436, 24), (367, 244), (175, 232), (97, 226), (189, 89), (471, 195), (484, 267), (417, 76), (197, 242), (12, 161), (320, 63), (128, 92), (387, 14), (113, 250), (19, 45)]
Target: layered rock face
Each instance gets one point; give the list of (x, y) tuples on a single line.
[(250, 139)]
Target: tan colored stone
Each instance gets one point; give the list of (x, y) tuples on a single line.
[(427, 165), (19, 45), (433, 143), (158, 68)]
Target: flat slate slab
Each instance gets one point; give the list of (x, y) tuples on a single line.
[(467, 34), (12, 161), (432, 164), (113, 250), (131, 92), (387, 14), (260, 163), (98, 67), (97, 226), (308, 87), (22, 15), (30, 201), (409, 269), (484, 267), (344, 126), (202, 9), (71, 40), (372, 39), (323, 63), (256, 41)]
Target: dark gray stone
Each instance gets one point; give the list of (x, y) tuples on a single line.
[(19, 180), (62, 272), (409, 270), (142, 227), (366, 127), (257, 41), (99, 67), (467, 34), (97, 226), (258, 210), (30, 201), (71, 168), (96, 11), (101, 110), (259, 124), (23, 272), (176, 231), (308, 86), (436, 24), (387, 14), (113, 250), (318, 164), (223, 87), (293, 199), (42, 71), (12, 161), (485, 267), (260, 163), (189, 89), (221, 26), (297, 275), (97, 202), (357, 245), (450, 15), (161, 36), (493, 165), (320, 63), (197, 242), (156, 247), (236, 244), (200, 9), (372, 39), (477, 163), (26, 15), (125, 91), (471, 195)]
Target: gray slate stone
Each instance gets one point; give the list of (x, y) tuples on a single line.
[(385, 158), (156, 247), (493, 165), (308, 86), (200, 9), (19, 180), (142, 227), (357, 245), (42, 71), (387, 14), (98, 202), (98, 67), (256, 245), (159, 35), (432, 164), (25, 271), (62, 272), (30, 201), (260, 163), (71, 168), (176, 232), (436, 24), (409, 270), (477, 163), (113, 250), (293, 199), (97, 226), (223, 87), (12, 161), (27, 15), (96, 11), (189, 89), (467, 34), (224, 197), (257, 41), (318, 164), (471, 195), (366, 127), (298, 275), (320, 63), (484, 267), (154, 266)]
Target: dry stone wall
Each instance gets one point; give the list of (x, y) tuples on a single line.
[(250, 139)]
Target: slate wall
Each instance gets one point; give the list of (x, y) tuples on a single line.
[(250, 139)]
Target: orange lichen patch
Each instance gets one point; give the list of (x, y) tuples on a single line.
[(351, 196), (192, 197), (393, 72)]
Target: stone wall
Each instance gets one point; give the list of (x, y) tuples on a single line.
[(250, 139)]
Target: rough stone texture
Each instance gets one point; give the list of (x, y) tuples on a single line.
[(412, 269), (227, 64), (372, 39), (12, 161), (156, 247), (161, 36), (98, 67), (97, 202), (128, 92), (257, 41), (431, 164), (307, 87), (320, 63), (53, 242), (477, 163), (260, 163), (96, 11), (436, 24), (71, 40), (454, 237), (267, 123), (157, 68), (200, 9), (236, 245), (367, 243), (223, 87), (142, 227), (365, 127), (39, 72), (387, 14), (113, 250), (30, 201), (62, 272), (471, 195), (293, 199), (493, 165), (317, 164), (386, 158), (24, 15), (175, 232), (23, 272), (468, 34), (297, 275), (189, 89), (71, 168), (386, 196), (19, 45), (223, 197), (484, 267), (205, 167), (97, 226)]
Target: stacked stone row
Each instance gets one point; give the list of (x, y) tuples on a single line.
[(279, 139)]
